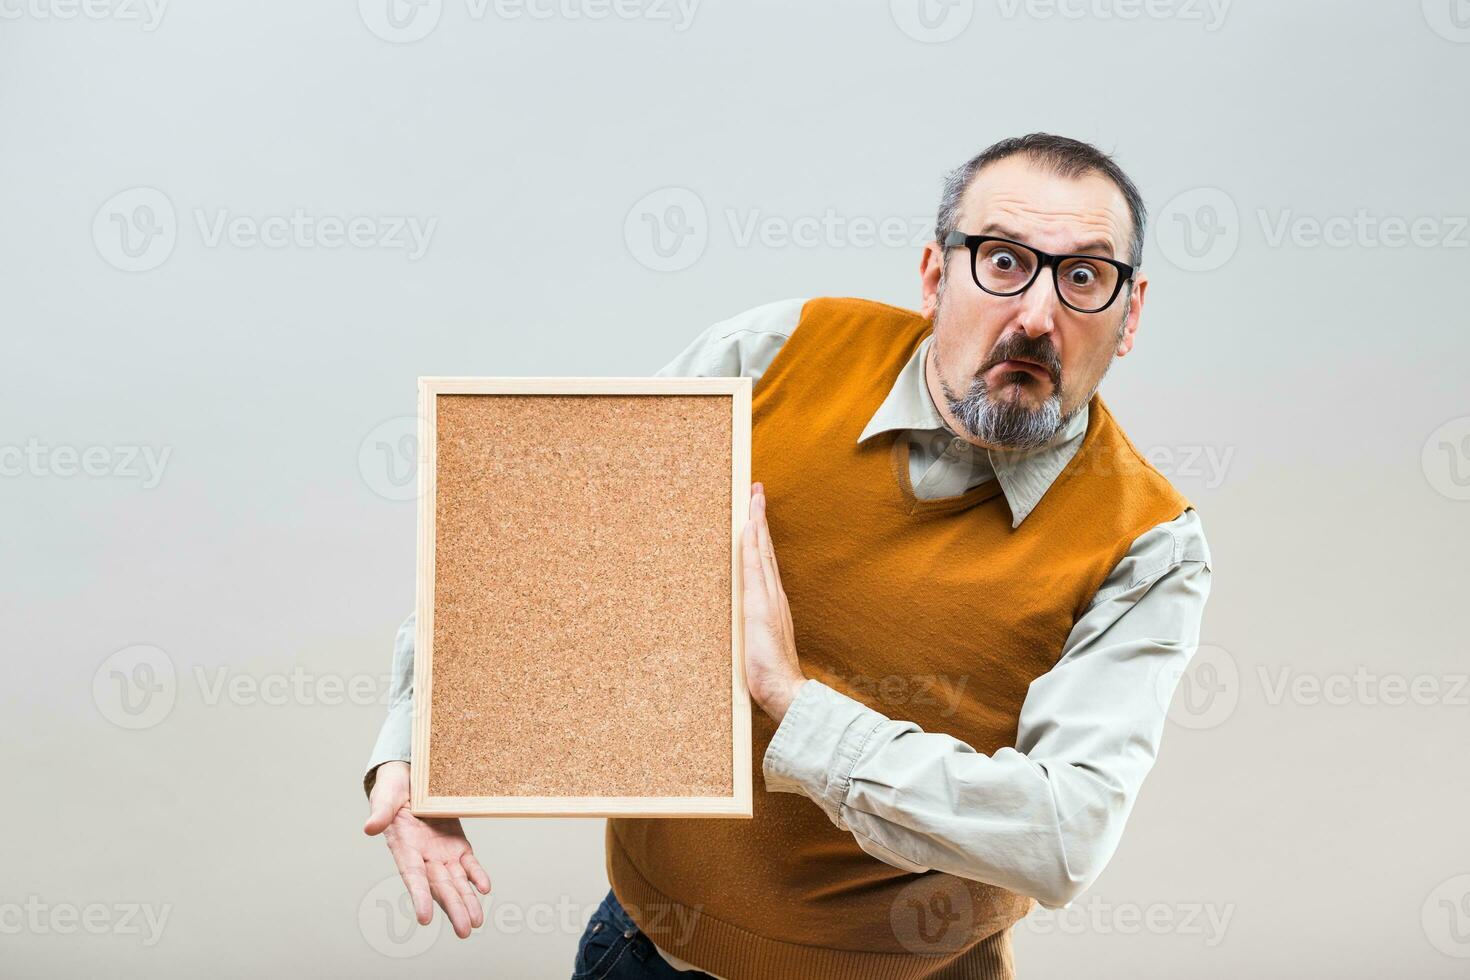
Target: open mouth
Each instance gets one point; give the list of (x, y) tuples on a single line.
[(1034, 369)]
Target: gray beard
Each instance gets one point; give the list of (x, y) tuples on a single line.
[(1008, 424), (1011, 425)]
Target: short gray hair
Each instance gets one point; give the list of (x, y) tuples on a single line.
[(1066, 158)]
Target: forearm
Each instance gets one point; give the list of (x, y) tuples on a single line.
[(1042, 818), (921, 800)]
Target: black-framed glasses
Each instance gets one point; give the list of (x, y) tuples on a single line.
[(1001, 267)]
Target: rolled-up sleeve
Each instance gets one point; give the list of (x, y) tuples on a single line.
[(395, 738), (1044, 817)]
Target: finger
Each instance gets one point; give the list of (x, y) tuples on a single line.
[(467, 892), (767, 553), (475, 871), (449, 899), (383, 807), (772, 568), (750, 560), (411, 869), (771, 546)]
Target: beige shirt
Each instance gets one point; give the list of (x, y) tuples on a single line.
[(1042, 818)]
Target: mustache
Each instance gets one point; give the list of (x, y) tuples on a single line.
[(1022, 348)]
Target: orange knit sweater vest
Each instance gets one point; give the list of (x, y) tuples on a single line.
[(882, 586)]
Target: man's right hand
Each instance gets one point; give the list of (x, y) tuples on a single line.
[(433, 856)]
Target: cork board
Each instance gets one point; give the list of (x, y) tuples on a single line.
[(579, 648)]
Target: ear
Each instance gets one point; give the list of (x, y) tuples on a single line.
[(931, 268), (1135, 310)]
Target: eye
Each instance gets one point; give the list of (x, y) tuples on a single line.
[(1003, 259), (1082, 275)]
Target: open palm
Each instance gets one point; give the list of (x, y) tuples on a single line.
[(434, 858)]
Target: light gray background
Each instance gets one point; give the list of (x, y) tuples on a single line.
[(1325, 832)]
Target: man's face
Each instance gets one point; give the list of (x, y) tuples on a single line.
[(1012, 371)]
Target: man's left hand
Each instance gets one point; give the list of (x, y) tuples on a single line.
[(771, 669)]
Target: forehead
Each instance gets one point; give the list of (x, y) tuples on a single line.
[(1018, 198)]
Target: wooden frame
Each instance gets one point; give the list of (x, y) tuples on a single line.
[(739, 803)]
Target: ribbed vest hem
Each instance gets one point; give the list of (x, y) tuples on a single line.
[(729, 951)]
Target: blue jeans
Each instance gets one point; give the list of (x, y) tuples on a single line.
[(613, 948)]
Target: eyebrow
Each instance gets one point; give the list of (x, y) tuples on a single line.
[(1098, 245)]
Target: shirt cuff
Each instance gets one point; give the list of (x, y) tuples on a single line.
[(816, 746), (395, 742)]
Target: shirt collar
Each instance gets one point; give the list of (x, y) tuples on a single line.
[(1024, 474)]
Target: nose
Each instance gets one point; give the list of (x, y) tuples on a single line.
[(1039, 305)]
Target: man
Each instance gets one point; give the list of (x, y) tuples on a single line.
[(963, 659)]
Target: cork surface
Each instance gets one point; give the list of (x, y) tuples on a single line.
[(582, 596)]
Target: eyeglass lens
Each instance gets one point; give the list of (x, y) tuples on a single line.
[(1083, 282)]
